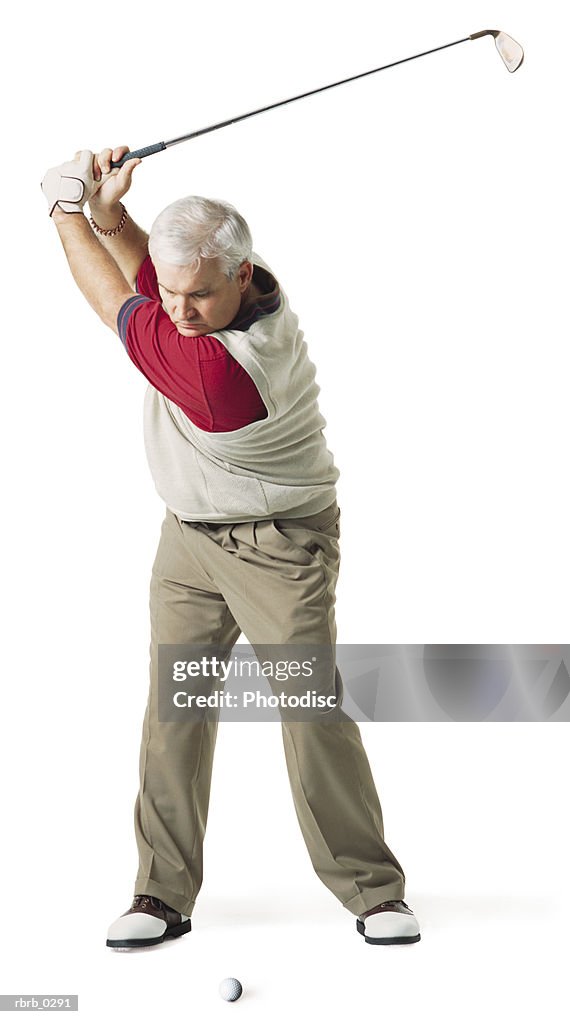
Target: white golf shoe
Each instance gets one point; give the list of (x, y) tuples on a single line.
[(147, 922), (390, 923)]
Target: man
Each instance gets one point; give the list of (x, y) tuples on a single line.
[(250, 542)]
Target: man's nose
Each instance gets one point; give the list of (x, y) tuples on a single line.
[(187, 309)]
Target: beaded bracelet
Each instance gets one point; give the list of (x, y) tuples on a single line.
[(110, 232)]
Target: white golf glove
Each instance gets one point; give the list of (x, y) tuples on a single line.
[(70, 185)]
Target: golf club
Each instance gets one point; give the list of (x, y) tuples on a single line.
[(511, 54)]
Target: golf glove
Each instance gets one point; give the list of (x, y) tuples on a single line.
[(70, 185)]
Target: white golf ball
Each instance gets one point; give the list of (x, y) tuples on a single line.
[(230, 989)]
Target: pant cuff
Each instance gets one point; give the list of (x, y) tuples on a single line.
[(370, 898), (172, 899)]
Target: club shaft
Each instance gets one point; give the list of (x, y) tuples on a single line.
[(303, 95), (157, 147)]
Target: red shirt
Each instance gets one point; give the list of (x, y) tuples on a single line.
[(198, 374)]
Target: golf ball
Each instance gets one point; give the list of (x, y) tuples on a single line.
[(230, 989)]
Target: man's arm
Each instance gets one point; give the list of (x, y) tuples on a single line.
[(95, 271), (129, 248)]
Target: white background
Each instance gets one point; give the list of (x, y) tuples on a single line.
[(418, 222)]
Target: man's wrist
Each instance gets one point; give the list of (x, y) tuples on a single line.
[(59, 216), (106, 217)]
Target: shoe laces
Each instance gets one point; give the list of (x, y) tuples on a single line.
[(139, 903), (142, 902)]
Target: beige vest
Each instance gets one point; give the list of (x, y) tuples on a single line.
[(279, 466)]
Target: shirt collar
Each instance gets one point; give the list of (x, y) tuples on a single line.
[(262, 305)]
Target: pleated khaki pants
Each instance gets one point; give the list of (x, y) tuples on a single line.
[(273, 580)]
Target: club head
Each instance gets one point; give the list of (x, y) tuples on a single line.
[(511, 52)]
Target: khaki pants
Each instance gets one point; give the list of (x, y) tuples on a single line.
[(273, 580)]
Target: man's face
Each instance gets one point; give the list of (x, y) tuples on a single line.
[(202, 301)]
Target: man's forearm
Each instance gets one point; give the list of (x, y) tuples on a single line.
[(129, 248), (95, 271)]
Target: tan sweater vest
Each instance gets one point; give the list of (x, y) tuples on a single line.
[(279, 466)]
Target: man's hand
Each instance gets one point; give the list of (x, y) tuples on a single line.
[(110, 185), (104, 266), (88, 177), (70, 185)]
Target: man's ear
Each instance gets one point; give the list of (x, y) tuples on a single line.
[(245, 274)]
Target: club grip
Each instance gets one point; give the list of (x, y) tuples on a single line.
[(141, 153)]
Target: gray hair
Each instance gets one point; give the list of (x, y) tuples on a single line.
[(194, 229)]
